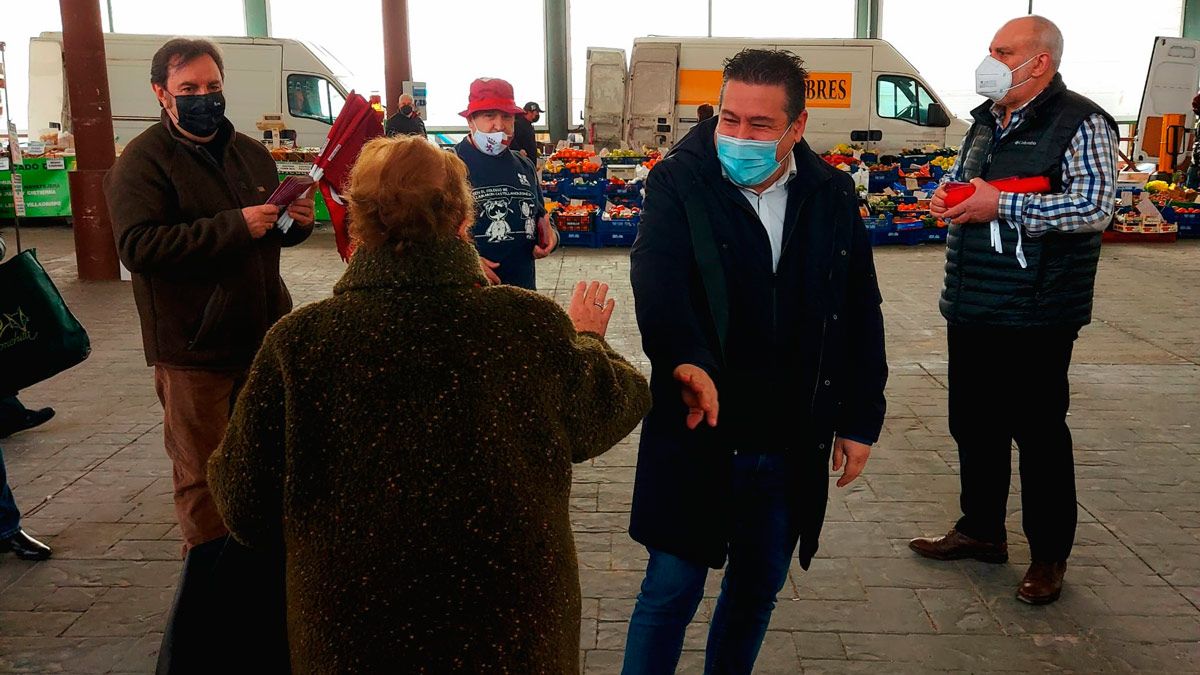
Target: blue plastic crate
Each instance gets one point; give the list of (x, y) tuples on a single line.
[(1189, 230), (629, 192), (881, 231), (924, 235), (616, 232), (880, 180), (578, 238), (592, 191)]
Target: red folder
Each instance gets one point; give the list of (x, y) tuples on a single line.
[(957, 193)]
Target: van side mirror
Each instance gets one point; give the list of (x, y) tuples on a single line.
[(936, 116)]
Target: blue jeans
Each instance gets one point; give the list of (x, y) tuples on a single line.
[(760, 553), (10, 515)]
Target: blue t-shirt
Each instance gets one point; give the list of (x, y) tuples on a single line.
[(508, 199)]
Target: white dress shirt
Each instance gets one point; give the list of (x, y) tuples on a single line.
[(771, 207)]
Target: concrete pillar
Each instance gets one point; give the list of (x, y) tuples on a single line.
[(397, 53), (91, 122), (557, 20), (258, 17), (1191, 19), (866, 19)]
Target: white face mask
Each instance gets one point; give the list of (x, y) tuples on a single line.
[(993, 79), (492, 143)]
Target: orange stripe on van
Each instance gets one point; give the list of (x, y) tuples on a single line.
[(699, 86), (824, 90), (828, 90)]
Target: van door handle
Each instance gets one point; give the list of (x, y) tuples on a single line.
[(860, 135)]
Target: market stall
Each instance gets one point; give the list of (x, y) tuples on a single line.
[(43, 183), (595, 199)]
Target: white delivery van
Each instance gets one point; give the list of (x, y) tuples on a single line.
[(301, 82), (1171, 82), (859, 91)]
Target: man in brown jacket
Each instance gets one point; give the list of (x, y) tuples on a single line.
[(187, 201)]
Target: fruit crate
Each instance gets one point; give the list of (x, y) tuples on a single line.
[(590, 189), (627, 191), (925, 235), (551, 188), (623, 161), (585, 238), (1114, 237), (907, 161), (881, 230), (880, 180), (573, 222), (617, 232)]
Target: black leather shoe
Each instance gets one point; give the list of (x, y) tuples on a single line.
[(958, 546), (25, 546), (27, 419)]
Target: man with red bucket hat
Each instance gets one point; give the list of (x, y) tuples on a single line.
[(511, 228)]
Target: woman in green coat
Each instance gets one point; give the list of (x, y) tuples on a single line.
[(408, 443)]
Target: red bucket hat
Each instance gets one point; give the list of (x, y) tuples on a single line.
[(491, 93)]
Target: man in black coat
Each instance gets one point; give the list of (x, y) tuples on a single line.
[(524, 140), (753, 279), (407, 121)]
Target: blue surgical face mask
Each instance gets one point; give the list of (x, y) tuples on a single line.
[(748, 162)]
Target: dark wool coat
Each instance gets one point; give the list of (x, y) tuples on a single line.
[(408, 443), (804, 359)]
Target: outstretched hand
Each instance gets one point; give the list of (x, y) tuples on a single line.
[(699, 395)]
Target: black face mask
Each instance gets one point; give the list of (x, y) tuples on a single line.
[(406, 110), (200, 114)]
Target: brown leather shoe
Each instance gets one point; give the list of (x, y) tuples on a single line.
[(1042, 583), (958, 546)]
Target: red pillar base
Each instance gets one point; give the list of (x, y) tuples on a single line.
[(95, 249)]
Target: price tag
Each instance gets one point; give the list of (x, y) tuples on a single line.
[(1147, 209), (13, 144), (37, 147), (18, 188), (56, 164), (3, 164)]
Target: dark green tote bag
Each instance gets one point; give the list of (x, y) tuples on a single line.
[(39, 337)]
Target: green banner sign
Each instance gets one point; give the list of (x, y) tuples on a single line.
[(47, 193)]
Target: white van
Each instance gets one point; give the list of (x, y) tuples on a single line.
[(859, 91), (299, 81), (1171, 82)]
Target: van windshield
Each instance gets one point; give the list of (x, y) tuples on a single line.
[(313, 97)]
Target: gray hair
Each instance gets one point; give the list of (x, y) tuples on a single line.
[(1049, 38)]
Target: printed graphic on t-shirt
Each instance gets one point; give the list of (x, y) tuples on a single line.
[(501, 207), (527, 211)]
